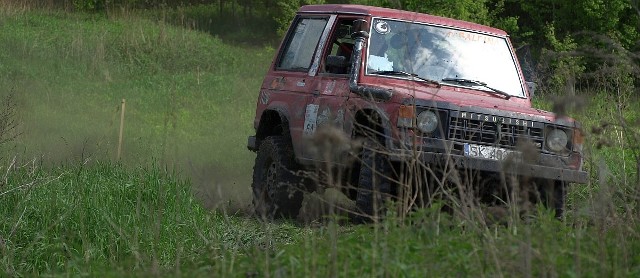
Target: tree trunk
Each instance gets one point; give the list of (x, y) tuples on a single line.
[(233, 8)]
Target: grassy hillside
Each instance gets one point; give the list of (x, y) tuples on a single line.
[(189, 97), (189, 106)]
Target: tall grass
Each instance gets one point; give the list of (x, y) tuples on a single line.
[(105, 217), (108, 219)]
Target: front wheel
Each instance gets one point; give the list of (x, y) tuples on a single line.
[(554, 195), (276, 187), (373, 184)]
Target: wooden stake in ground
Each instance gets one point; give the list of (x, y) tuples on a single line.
[(121, 128)]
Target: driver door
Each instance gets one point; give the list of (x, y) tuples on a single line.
[(328, 102)]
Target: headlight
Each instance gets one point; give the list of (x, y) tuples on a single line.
[(427, 121), (557, 140)]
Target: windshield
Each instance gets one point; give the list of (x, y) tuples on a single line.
[(437, 53)]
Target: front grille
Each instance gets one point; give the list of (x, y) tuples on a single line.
[(493, 130)]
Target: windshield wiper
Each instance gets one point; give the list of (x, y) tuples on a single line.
[(478, 83), (404, 73)]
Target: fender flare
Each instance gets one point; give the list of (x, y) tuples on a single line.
[(385, 123), (266, 126)]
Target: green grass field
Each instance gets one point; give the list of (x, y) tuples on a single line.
[(189, 96), (68, 208)]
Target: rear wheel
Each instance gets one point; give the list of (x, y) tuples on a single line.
[(276, 188)]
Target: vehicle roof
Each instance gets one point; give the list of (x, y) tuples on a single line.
[(399, 14)]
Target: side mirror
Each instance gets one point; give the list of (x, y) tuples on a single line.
[(337, 61), (337, 64), (531, 86)]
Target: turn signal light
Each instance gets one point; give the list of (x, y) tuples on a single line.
[(406, 115)]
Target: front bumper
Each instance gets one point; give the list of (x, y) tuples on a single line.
[(546, 167), (251, 144)]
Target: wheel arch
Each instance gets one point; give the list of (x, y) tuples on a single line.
[(273, 122), (371, 122)]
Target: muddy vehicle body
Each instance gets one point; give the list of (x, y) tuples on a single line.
[(422, 93)]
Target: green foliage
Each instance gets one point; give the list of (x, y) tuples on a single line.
[(576, 33), (286, 10), (610, 18), (483, 12), (558, 71), (616, 19), (85, 5), (469, 10)]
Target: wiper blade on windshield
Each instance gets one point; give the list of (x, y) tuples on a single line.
[(404, 73), (478, 83)]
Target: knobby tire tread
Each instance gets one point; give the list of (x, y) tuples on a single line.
[(373, 185), (285, 196)]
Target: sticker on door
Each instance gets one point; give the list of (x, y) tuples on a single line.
[(310, 117)]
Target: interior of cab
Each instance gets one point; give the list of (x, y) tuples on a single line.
[(341, 45)]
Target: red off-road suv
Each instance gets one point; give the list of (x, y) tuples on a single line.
[(443, 98)]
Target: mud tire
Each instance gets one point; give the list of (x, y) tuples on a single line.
[(373, 185), (276, 187), (554, 196)]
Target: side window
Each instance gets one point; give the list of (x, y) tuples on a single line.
[(340, 48), (301, 45)]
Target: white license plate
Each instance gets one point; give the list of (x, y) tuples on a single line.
[(488, 152)]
